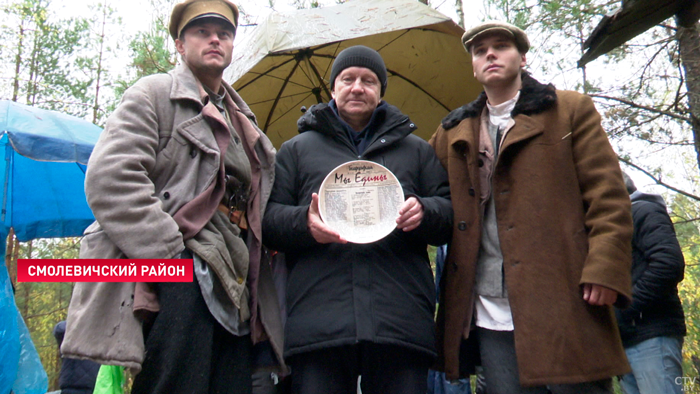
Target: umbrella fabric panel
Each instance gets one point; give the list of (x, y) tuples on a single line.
[(47, 135), (44, 199)]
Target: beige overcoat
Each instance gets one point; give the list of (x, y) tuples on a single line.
[(157, 152)]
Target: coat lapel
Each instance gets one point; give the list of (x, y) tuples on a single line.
[(524, 129)]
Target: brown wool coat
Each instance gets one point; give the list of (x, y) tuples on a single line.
[(563, 220)]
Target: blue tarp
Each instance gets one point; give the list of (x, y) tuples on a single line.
[(43, 171), (9, 332), (42, 177)]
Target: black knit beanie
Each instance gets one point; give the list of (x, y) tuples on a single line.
[(360, 56)]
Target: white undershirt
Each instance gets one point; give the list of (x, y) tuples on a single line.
[(493, 313)]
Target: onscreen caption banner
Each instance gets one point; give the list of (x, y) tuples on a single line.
[(105, 270)]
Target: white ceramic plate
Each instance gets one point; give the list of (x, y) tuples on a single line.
[(360, 200)]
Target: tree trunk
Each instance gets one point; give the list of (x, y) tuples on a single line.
[(31, 83), (96, 105), (26, 286), (9, 251), (689, 43), (57, 354), (18, 63), (459, 7)]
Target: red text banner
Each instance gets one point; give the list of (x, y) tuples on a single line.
[(105, 270)]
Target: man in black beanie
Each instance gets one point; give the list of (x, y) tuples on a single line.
[(358, 309)]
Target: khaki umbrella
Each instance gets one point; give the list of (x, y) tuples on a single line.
[(283, 66)]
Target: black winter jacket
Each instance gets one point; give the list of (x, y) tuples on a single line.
[(657, 268), (380, 292)]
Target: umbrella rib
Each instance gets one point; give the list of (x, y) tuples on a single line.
[(333, 56), (8, 158), (282, 79), (407, 79), (251, 103), (289, 110), (320, 80), (396, 38), (277, 99), (265, 73), (419, 88)]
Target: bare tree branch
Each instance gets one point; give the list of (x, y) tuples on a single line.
[(659, 181), (640, 106), (686, 221)]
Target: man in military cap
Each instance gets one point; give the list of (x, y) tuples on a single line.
[(182, 171)]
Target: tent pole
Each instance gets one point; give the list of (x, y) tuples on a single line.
[(8, 164)]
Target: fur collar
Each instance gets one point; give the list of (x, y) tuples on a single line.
[(535, 97)]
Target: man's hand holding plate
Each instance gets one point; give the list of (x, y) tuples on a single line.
[(321, 232), (410, 215)]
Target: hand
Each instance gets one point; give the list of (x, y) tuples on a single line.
[(321, 232), (598, 295), (410, 215)]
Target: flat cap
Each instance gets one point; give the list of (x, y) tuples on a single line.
[(191, 10), (519, 36)]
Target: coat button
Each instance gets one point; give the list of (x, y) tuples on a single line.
[(472, 192), (193, 153), (411, 125), (166, 195), (240, 281), (480, 163), (383, 141), (462, 226)]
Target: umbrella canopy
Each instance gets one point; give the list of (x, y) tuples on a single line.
[(43, 172), (285, 63)]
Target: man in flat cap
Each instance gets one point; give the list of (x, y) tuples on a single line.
[(181, 171), (358, 309), (540, 250)]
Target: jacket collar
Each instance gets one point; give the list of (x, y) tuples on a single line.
[(186, 87), (535, 97), (321, 118)]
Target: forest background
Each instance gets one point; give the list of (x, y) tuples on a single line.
[(78, 57)]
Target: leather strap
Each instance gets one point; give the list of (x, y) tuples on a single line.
[(235, 216)]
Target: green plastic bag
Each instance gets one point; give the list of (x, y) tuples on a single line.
[(110, 380)]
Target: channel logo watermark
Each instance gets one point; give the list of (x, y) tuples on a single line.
[(688, 384)]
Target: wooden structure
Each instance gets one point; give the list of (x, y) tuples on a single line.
[(633, 18)]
